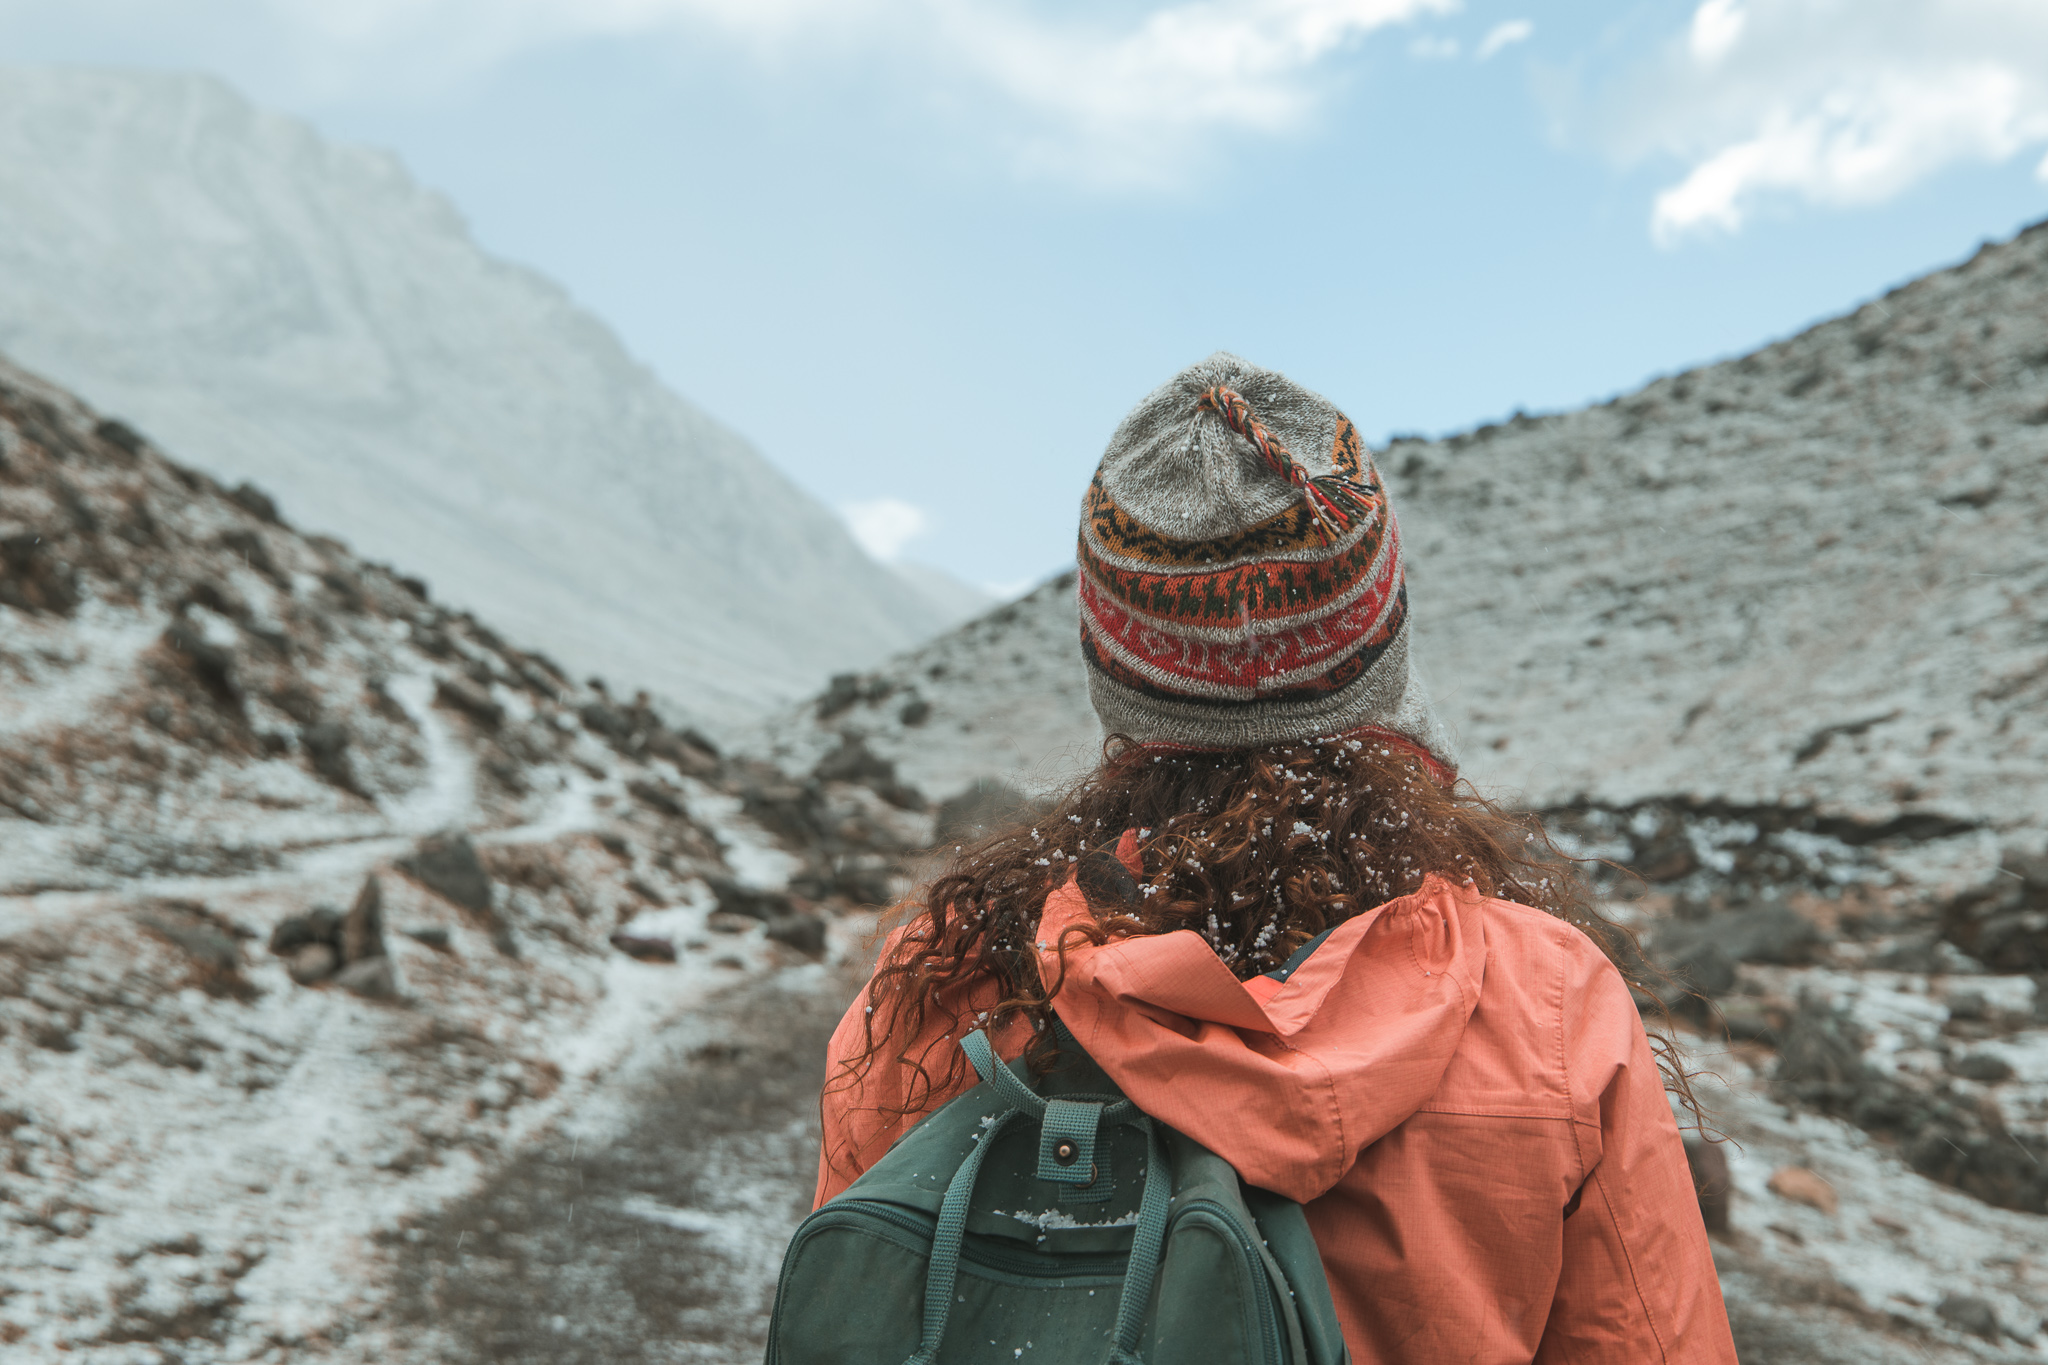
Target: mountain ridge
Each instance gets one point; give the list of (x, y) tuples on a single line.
[(307, 316), (1750, 582)]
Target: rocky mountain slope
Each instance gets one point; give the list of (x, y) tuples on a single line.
[(1771, 638), (1807, 575), (323, 909), (274, 307), (372, 990)]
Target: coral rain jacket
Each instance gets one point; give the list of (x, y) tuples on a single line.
[(1459, 1091)]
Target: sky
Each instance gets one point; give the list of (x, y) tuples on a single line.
[(926, 253)]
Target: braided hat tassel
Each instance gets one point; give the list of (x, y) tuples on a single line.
[(1332, 499)]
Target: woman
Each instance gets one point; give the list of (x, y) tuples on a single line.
[(1314, 953)]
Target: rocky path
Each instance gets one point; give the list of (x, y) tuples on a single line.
[(649, 1234)]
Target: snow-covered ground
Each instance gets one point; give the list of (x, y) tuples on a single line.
[(218, 736), (336, 1020), (274, 307)]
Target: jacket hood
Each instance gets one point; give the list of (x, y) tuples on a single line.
[(1290, 1075)]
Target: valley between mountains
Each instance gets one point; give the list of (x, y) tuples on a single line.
[(375, 986)]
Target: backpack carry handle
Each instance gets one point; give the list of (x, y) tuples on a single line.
[(1149, 1237)]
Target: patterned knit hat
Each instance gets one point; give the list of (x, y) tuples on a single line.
[(1241, 580)]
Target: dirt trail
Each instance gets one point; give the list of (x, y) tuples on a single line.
[(657, 1244)]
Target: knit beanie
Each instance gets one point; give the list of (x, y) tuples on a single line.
[(1240, 574)]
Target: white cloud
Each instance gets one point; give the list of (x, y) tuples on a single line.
[(883, 526), (1716, 27), (1137, 104), (1838, 103), (1504, 35), (1123, 101)]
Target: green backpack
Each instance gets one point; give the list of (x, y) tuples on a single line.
[(1058, 1225)]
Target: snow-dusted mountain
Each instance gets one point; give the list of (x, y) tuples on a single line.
[(1770, 638), (1811, 575), (280, 309), (325, 909)]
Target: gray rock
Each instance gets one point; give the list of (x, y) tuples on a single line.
[(362, 929), (1703, 953), (751, 901), (1710, 1182), (1968, 1313), (311, 962), (645, 947), (1982, 1066), (2004, 923), (853, 761), (1969, 1005), (802, 931), (373, 978), (447, 865), (981, 810), (293, 932), (461, 694), (213, 665), (255, 501), (326, 743)]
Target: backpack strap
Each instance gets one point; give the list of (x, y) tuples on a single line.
[(1060, 1120), (944, 1269), (1148, 1244)]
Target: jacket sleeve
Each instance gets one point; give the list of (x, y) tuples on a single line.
[(1638, 1282), (844, 1126), (866, 1107)]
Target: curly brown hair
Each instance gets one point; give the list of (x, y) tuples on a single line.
[(1257, 851)]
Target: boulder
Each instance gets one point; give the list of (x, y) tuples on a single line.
[(326, 743), (211, 664), (461, 694), (1982, 1066), (373, 978), (255, 501), (2004, 923), (447, 865), (853, 761), (1802, 1186), (1968, 1313), (981, 810), (122, 437), (320, 925), (645, 947), (802, 931), (362, 929), (311, 962), (1710, 1183), (34, 576), (751, 901), (1702, 955)]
